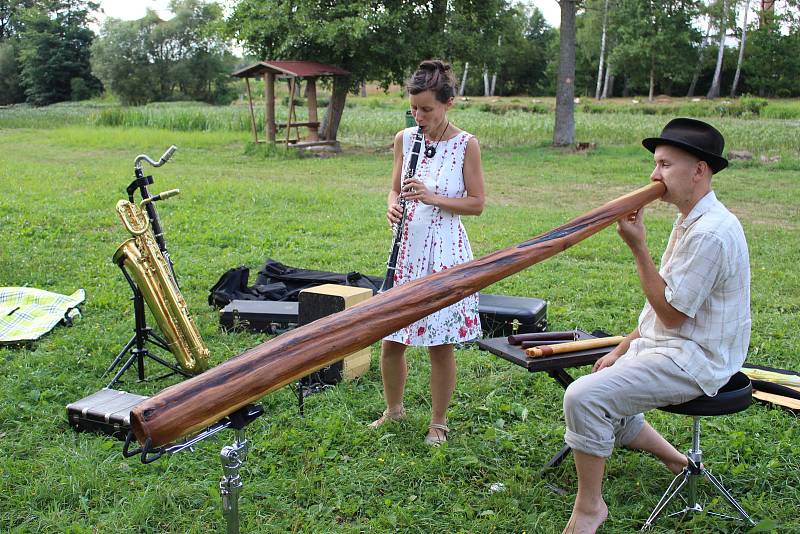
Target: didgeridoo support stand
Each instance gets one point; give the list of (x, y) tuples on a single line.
[(233, 457)]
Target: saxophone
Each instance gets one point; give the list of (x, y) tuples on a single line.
[(144, 262)]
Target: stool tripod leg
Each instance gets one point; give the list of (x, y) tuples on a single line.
[(725, 493), (674, 489)]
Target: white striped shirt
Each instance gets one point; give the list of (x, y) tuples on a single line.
[(707, 271)]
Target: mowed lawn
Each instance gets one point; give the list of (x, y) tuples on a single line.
[(327, 472)]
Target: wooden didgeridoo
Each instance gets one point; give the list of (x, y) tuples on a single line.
[(208, 397), (541, 342), (516, 339), (574, 346)]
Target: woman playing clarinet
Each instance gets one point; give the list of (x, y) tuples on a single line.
[(446, 182)]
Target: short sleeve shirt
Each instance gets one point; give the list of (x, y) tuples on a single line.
[(706, 268)]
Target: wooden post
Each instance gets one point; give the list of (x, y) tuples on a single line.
[(290, 116), (311, 91), (252, 114), (269, 103)]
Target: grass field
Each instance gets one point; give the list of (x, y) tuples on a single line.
[(61, 174)]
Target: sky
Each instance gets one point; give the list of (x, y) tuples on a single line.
[(135, 9)]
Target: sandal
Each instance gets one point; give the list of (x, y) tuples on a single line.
[(389, 415), (438, 435)]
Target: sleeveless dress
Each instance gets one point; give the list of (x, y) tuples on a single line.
[(433, 240)]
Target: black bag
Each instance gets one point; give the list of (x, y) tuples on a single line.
[(279, 282), (296, 279), (233, 286)]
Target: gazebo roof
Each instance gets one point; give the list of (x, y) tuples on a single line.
[(299, 69)]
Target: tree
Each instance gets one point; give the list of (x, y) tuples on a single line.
[(381, 41), (54, 49), (741, 49), (564, 131), (713, 91), (529, 43), (151, 59), (10, 89), (772, 64), (10, 16), (700, 54), (655, 41), (602, 50)]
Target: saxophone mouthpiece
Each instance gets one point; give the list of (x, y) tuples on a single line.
[(168, 154), (161, 196)]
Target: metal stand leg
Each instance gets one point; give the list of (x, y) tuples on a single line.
[(233, 458), (688, 479)]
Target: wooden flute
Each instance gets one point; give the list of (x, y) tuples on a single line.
[(208, 397)]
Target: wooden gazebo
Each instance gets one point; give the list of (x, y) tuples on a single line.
[(292, 71)]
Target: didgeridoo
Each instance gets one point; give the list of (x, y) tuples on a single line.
[(517, 339), (583, 344), (207, 398), (531, 344)]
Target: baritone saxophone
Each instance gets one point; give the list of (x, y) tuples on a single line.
[(144, 262)]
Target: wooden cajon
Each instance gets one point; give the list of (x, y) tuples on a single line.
[(320, 301)]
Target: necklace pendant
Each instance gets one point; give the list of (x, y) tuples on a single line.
[(430, 151)]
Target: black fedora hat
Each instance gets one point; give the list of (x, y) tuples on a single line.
[(696, 137)]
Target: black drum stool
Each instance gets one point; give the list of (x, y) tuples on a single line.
[(735, 396)]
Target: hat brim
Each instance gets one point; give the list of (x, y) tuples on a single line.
[(717, 163)]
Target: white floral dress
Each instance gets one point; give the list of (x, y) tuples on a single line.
[(433, 240)]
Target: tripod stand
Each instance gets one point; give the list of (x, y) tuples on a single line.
[(142, 334)]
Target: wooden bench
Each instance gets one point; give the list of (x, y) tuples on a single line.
[(293, 124)]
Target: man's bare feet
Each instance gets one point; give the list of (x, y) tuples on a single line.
[(586, 520), (677, 466)]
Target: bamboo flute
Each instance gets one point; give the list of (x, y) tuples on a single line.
[(207, 398)]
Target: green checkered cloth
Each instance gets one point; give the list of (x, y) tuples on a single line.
[(27, 313)]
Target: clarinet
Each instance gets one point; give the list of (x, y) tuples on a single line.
[(391, 263)]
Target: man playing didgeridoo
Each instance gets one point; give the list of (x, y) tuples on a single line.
[(692, 334)]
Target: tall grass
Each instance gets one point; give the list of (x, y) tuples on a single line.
[(372, 121)]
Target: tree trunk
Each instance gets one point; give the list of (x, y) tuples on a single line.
[(463, 79), (363, 89), (564, 131), (485, 81), (703, 45), (602, 52), (713, 91), (492, 85), (333, 113), (608, 85), (741, 50), (652, 78)]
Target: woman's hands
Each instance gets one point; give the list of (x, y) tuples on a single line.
[(413, 189), (394, 213)]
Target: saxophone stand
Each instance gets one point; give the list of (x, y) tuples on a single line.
[(233, 457), (142, 334)]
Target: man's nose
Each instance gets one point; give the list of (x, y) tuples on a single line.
[(655, 176)]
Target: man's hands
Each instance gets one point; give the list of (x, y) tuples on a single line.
[(606, 361), (631, 229)]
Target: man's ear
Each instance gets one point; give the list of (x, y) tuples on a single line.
[(701, 170)]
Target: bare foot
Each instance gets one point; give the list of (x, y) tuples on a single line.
[(585, 521), (678, 466)]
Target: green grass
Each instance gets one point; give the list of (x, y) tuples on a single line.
[(327, 472)]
